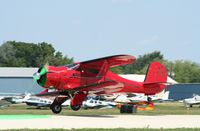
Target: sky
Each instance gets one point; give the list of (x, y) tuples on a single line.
[(88, 29)]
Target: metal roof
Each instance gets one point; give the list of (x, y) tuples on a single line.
[(17, 71)]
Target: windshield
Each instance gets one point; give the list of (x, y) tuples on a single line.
[(72, 66)]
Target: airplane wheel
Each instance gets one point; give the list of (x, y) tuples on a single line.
[(149, 99), (56, 108), (76, 107)]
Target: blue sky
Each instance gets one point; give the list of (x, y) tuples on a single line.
[(87, 29)]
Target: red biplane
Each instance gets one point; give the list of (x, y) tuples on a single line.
[(77, 80)]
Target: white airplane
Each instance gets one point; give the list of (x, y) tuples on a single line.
[(43, 102), (4, 95), (135, 98), (14, 97), (97, 104), (21, 99), (89, 103), (189, 102)]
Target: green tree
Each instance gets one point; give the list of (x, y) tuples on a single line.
[(142, 63), (186, 71), (117, 70), (21, 54), (58, 59), (181, 71), (7, 55)]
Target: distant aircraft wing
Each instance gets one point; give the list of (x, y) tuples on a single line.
[(98, 67)]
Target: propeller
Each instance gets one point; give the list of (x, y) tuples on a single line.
[(40, 75)]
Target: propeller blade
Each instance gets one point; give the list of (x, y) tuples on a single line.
[(39, 76), (43, 71), (36, 76)]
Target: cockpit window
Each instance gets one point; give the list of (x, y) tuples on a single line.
[(72, 66)]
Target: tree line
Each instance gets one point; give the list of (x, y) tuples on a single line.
[(180, 70), (21, 54)]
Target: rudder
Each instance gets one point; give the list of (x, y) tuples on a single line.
[(156, 73)]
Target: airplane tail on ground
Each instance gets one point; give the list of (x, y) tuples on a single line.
[(156, 73)]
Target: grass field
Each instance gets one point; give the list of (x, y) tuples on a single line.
[(160, 109), (173, 108)]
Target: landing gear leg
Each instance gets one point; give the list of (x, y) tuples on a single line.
[(77, 100)]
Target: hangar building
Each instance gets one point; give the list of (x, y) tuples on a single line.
[(182, 91), (18, 80)]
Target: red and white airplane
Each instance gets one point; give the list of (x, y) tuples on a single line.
[(76, 81)]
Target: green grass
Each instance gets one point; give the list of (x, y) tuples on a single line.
[(173, 108), (17, 117), (160, 109), (115, 129)]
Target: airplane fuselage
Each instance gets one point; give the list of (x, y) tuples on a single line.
[(63, 78)]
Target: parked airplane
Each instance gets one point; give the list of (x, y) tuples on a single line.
[(8, 95), (21, 99), (77, 80), (15, 98), (189, 102), (138, 97), (43, 102), (91, 103), (12, 98)]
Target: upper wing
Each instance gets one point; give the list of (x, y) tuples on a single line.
[(116, 60), (98, 67)]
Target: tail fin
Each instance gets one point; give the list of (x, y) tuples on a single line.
[(156, 73)]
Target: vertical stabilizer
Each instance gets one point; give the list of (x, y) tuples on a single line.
[(156, 73)]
